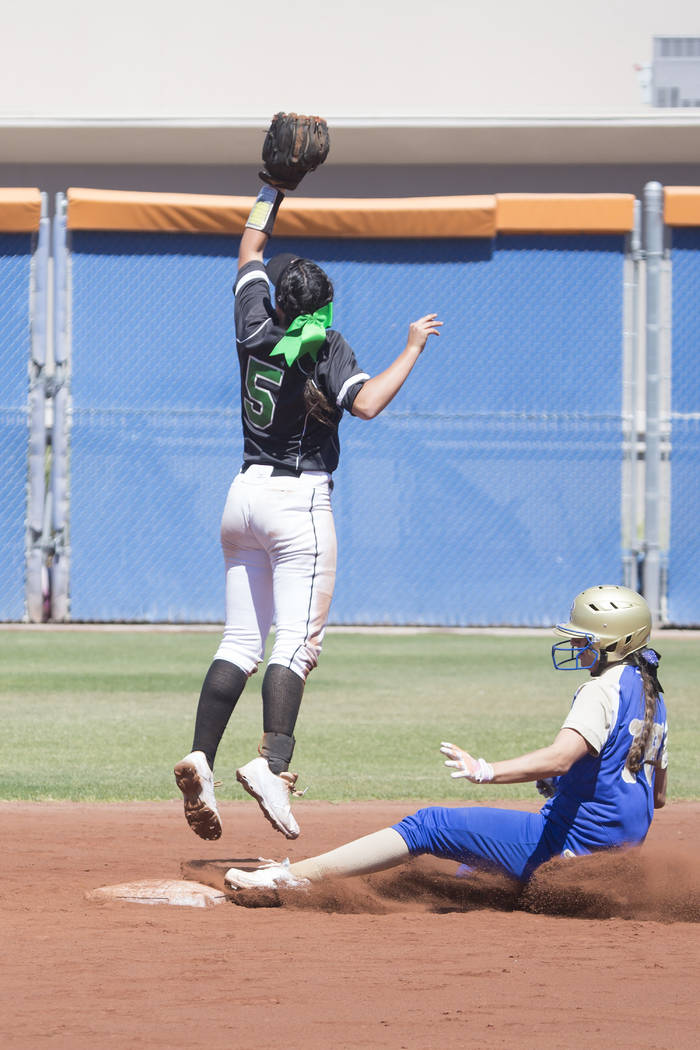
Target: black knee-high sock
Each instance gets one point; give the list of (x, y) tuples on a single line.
[(221, 689), (282, 691)]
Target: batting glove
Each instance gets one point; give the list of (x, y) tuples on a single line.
[(478, 770), (547, 786)]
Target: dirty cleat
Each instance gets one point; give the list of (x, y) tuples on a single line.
[(196, 782), (271, 875), (272, 792)]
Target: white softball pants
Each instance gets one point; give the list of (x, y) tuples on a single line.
[(279, 545)]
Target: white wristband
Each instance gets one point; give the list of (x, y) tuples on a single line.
[(264, 211), (484, 774)]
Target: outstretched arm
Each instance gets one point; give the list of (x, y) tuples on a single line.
[(567, 747), (378, 391)]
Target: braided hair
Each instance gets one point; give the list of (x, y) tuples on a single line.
[(647, 662), (303, 288)]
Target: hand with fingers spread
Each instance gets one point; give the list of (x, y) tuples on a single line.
[(377, 392), (419, 331), (478, 770)]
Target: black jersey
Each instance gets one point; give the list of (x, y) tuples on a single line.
[(277, 428)]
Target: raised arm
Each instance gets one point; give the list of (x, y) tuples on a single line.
[(253, 243), (378, 391)]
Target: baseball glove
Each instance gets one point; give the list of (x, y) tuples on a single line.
[(294, 146)]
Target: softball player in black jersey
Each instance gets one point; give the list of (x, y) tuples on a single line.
[(298, 376)]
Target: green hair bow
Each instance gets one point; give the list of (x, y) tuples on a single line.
[(305, 335)]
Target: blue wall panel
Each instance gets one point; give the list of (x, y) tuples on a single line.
[(488, 492), (155, 433), (497, 523), (15, 344), (684, 556)]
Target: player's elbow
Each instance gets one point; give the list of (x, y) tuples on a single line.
[(568, 747), (365, 413), (560, 765), (365, 407)]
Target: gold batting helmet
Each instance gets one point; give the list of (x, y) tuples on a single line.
[(615, 621)]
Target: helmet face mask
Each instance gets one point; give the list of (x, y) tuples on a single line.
[(615, 621), (569, 657)]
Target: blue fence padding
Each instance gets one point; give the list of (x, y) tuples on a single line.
[(15, 346), (525, 317), (147, 491), (155, 424), (152, 321), (488, 492), (684, 545), (502, 521), (684, 559)]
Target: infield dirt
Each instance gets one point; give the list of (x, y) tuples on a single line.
[(603, 951)]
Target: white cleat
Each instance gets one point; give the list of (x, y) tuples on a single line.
[(196, 782), (273, 793), (271, 875)]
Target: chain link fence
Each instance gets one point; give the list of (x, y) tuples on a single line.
[(684, 542), (23, 318), (481, 494), (511, 470), (15, 268), (153, 424)]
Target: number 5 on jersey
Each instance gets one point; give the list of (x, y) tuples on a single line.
[(262, 383)]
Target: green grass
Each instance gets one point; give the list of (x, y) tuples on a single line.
[(88, 715)]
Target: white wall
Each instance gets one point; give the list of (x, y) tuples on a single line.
[(372, 58)]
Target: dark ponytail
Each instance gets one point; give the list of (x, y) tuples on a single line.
[(303, 288)]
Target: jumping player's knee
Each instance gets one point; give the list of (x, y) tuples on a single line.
[(301, 657), (242, 652)]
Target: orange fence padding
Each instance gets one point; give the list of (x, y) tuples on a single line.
[(682, 205), (422, 217), (155, 212), (308, 217), (564, 212), (20, 210)]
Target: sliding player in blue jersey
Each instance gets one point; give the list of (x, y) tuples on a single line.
[(603, 775)]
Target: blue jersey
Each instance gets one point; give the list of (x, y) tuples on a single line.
[(599, 803)]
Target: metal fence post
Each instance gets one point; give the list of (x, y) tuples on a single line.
[(60, 571), (36, 486), (653, 251), (631, 428)]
